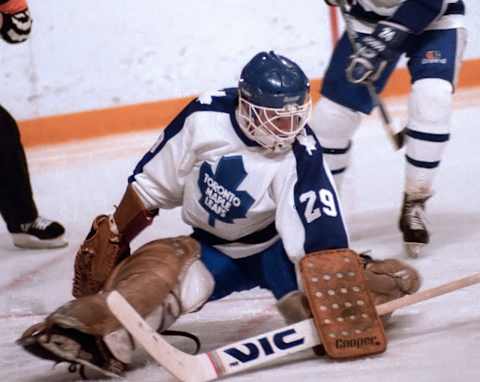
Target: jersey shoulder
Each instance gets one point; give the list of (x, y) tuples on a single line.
[(205, 107), (220, 101)]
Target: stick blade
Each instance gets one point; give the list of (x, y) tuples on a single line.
[(184, 366)]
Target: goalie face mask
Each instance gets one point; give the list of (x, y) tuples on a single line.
[(274, 101)]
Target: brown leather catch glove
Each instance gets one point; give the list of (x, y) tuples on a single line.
[(390, 279), (101, 251), (107, 244)]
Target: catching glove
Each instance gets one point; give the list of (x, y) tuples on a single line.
[(107, 244)]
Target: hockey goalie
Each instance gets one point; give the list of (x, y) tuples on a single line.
[(250, 177)]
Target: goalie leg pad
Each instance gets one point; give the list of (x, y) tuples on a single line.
[(151, 279), (342, 307)]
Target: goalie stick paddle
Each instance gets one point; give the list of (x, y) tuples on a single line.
[(253, 351)]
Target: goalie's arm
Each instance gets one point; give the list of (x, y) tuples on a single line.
[(107, 243), (156, 183)]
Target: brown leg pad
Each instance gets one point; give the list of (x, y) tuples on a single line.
[(144, 279), (342, 307)]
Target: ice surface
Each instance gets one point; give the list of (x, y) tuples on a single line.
[(438, 340)]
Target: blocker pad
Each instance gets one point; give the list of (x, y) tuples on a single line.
[(343, 310)]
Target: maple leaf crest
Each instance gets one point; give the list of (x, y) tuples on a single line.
[(220, 197)]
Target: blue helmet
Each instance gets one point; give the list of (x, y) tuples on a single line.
[(273, 90), (272, 80)]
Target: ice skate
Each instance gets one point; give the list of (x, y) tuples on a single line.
[(40, 234), (413, 224), (80, 350)]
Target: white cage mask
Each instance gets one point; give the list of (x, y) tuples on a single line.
[(273, 128)]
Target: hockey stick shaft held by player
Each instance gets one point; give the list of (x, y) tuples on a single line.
[(397, 139)]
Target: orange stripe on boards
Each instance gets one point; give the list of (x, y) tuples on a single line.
[(98, 123), (155, 115)]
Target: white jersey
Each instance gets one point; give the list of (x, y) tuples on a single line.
[(417, 15), (237, 196)]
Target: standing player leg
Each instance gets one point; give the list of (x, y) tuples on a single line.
[(434, 63), (17, 206), (338, 113)]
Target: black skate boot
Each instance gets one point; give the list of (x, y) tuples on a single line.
[(82, 351), (413, 224), (39, 234)]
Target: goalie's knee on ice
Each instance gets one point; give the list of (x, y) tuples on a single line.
[(196, 287), (294, 307)]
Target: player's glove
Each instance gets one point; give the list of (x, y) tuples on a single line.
[(107, 243), (375, 51), (101, 251), (16, 27)]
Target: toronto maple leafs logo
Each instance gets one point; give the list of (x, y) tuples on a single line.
[(220, 197)]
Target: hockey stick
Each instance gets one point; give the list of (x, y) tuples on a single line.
[(397, 139), (253, 351)]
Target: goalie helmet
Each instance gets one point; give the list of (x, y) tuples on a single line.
[(274, 100)]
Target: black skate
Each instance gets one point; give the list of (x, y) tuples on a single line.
[(82, 351), (41, 233), (412, 224)]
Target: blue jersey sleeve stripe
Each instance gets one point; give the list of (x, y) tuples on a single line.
[(325, 232)]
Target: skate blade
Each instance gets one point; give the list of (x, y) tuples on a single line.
[(69, 357), (413, 249)]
